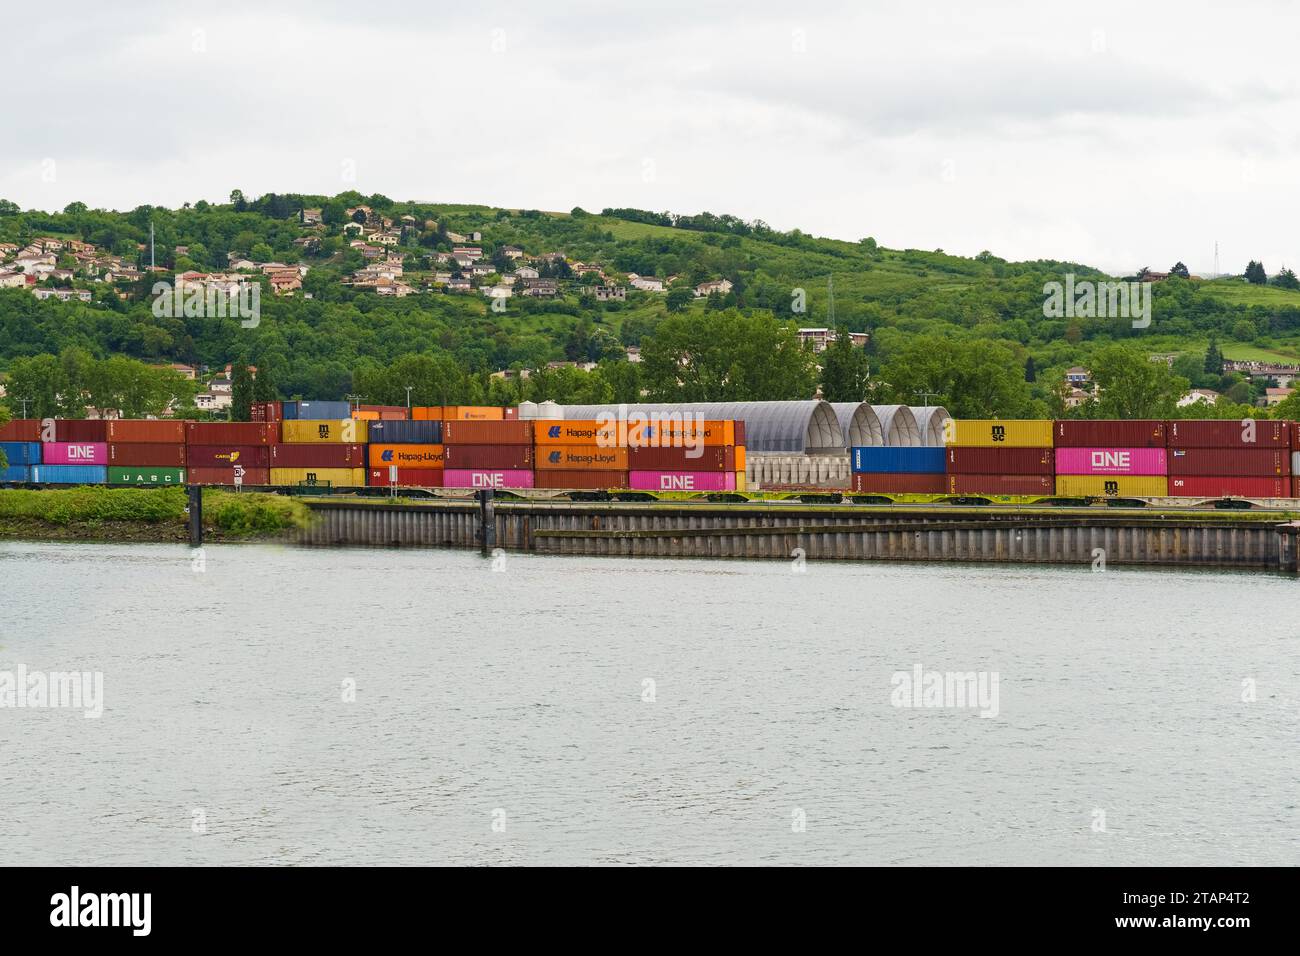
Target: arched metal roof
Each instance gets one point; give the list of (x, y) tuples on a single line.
[(929, 422), (790, 428), (859, 424), (898, 425)]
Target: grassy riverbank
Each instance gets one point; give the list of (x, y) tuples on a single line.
[(143, 514)]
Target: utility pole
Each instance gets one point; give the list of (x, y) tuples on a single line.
[(24, 401), (152, 263), (354, 399), (927, 396)]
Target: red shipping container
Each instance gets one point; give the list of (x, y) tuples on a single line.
[(81, 430), (395, 416), (740, 432), (1232, 433), (504, 457), (224, 456), (127, 431), (1295, 491), (146, 455), (713, 458), (487, 433), (321, 455), (973, 460), (21, 429), (226, 476), (1225, 462), (231, 433), (1001, 485), (1108, 434), (267, 412), (1229, 487), (583, 480), (510, 414), (417, 477), (899, 484)]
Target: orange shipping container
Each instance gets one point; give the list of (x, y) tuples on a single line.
[(577, 432), (364, 416), (427, 413), (126, 431), (406, 456), (486, 433), (473, 413), (581, 458), (669, 432)]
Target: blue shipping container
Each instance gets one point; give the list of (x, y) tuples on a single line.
[(16, 473), (70, 474), (293, 411), (405, 433), (900, 461), (21, 452)]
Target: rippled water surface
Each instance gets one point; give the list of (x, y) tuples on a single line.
[(602, 710)]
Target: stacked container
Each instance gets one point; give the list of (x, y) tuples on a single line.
[(320, 452), (580, 454), (487, 454), (999, 457), (458, 413), (912, 470), (146, 452), (685, 455), (1230, 459), (77, 456), (20, 457), (413, 448), (1111, 459), (310, 411), (218, 452)]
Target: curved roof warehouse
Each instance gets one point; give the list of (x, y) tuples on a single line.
[(772, 428)]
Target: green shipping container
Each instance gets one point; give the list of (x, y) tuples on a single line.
[(146, 476)]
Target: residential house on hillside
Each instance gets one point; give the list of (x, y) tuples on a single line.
[(607, 293), (1077, 375), (286, 282), (512, 252), (527, 272), (63, 295), (311, 217), (646, 283), (720, 286), (1276, 396), (541, 288), (1207, 395), (12, 280)]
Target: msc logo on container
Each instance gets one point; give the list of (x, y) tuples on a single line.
[(999, 433), (324, 431)]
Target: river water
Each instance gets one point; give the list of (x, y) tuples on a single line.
[(269, 705)]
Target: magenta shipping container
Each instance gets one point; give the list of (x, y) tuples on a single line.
[(75, 453), (1111, 461), (486, 478), (682, 480)]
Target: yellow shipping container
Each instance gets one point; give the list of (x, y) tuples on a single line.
[(740, 479), (335, 477), (1112, 486), (998, 433), (325, 431)]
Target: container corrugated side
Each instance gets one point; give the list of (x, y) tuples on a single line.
[(1075, 433), (232, 433), (226, 476), (1230, 462), (335, 477), (706, 458), (999, 433), (581, 480), (415, 477), (146, 476), (81, 430), (898, 484), (1111, 486), (225, 456), (1231, 433), (682, 480), (318, 455), (976, 460), (152, 455), (342, 431), (1112, 461), (16, 473), (21, 452), (1206, 486), (405, 433), (298, 411), (550, 431), (473, 413), (494, 457), (882, 460), (486, 478), (129, 431), (581, 458), (75, 453), (407, 456), (677, 432), (487, 433), (70, 474), (21, 429), (1001, 485)]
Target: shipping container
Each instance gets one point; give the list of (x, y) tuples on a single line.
[(386, 412), (139, 432), (1230, 462), (334, 477), (16, 473), (226, 476), (363, 416), (473, 413), (81, 430), (738, 428), (21, 429), (899, 484), (21, 452), (998, 433), (1111, 461), (487, 433), (486, 478), (738, 451), (1295, 464), (581, 458), (406, 433), (69, 474), (582, 480), (75, 453), (1109, 434), (148, 455), (266, 412), (667, 432), (1232, 433), (427, 413), (232, 433), (319, 455), (880, 460), (408, 456), (576, 432), (1001, 485), (742, 483), (1199, 486), (1112, 486), (510, 414), (345, 431), (699, 458), (225, 456), (146, 476), (975, 460), (415, 477), (495, 457), (298, 411), (682, 480)]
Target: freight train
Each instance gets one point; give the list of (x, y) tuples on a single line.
[(454, 451)]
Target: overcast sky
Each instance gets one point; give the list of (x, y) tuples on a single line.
[(1118, 135)]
